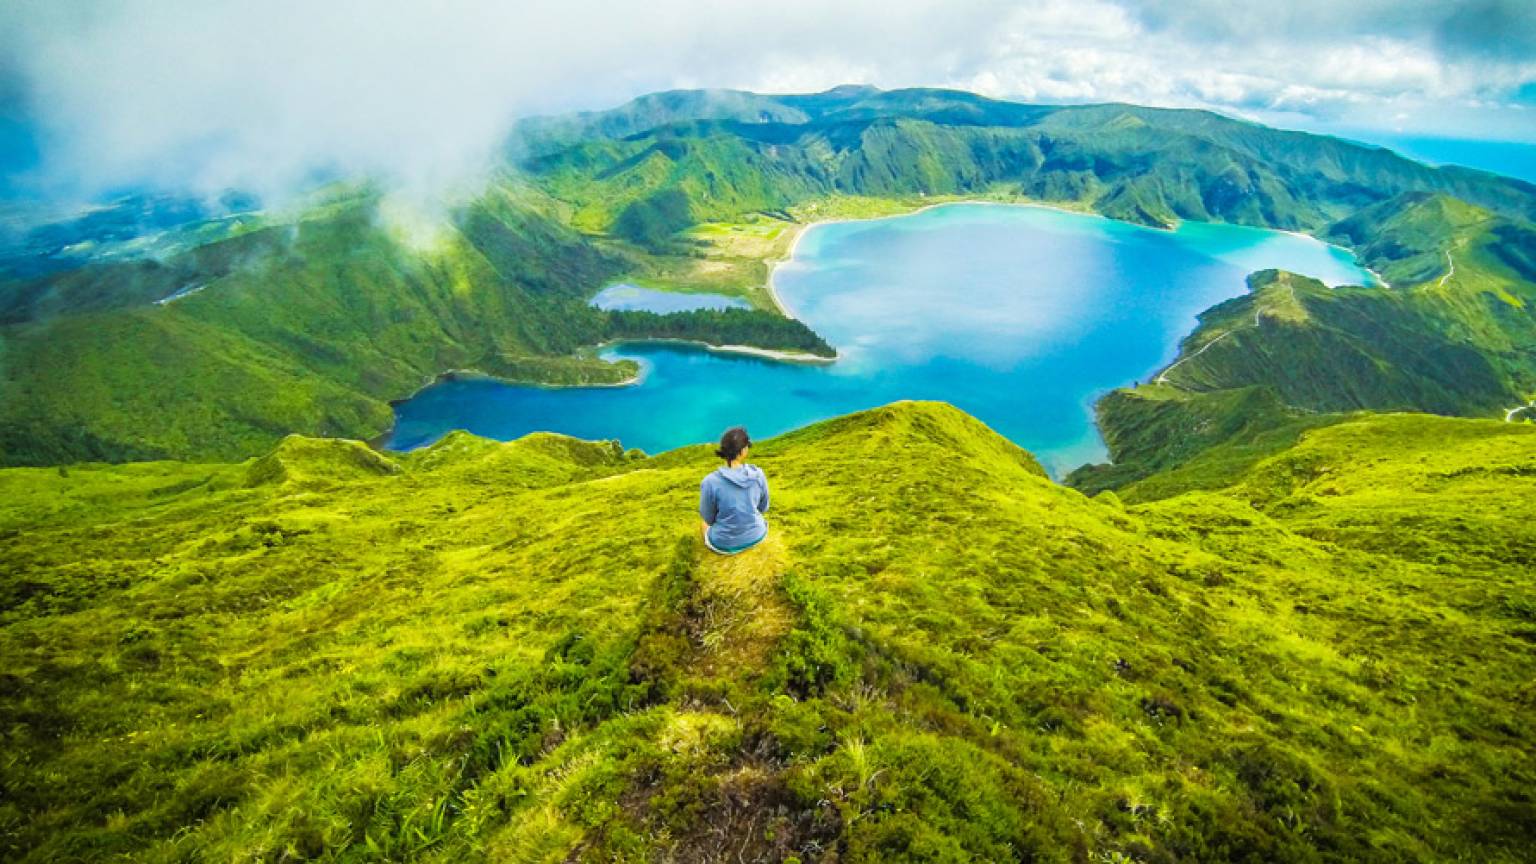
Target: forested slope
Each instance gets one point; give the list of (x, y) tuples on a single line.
[(312, 322)]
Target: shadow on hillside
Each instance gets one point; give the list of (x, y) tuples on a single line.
[(714, 618), (741, 600)]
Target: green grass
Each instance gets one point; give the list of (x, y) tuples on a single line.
[(319, 325), (1293, 354), (485, 651), (1299, 631), (314, 321)]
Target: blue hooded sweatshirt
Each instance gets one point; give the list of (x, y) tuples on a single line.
[(732, 502)]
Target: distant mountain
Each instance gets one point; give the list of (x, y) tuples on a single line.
[(36, 242), (1152, 166), (312, 322)]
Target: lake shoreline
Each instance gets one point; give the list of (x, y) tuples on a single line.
[(686, 387), (1380, 281), (379, 441), (471, 374), (802, 228), (769, 353)]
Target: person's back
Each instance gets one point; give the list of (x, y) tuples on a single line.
[(733, 499)]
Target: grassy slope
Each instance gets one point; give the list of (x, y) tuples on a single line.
[(1292, 353), (314, 326), (517, 652), (1144, 165), (322, 322)]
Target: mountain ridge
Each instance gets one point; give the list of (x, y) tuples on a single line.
[(503, 290)]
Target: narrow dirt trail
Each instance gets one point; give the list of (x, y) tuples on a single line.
[(1451, 271), (742, 608), (1162, 377)]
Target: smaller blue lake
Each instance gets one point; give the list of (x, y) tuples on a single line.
[(625, 297), (1022, 316)]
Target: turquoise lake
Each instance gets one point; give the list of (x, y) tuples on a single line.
[(1022, 316), (627, 297)]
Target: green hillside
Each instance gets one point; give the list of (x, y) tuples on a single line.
[(313, 321), (518, 652), (314, 325), (1453, 335), (1153, 166)]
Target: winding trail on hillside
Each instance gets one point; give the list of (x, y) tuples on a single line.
[(1511, 414), (186, 291), (1162, 377)]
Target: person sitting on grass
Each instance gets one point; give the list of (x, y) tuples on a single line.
[(734, 498)]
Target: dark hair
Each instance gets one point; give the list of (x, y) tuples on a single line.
[(732, 443)]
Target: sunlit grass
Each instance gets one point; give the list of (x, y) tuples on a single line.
[(515, 652)]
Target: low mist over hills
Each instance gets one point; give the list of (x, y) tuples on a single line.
[(313, 321)]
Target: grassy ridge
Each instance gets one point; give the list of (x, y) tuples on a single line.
[(1453, 335), (314, 323), (330, 652), (1143, 165), (315, 326)]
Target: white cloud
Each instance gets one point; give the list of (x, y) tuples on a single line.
[(207, 95)]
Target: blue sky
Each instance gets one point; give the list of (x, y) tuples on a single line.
[(201, 96)]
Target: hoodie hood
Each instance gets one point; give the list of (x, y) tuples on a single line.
[(741, 475)]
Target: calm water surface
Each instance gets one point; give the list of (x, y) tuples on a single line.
[(1020, 315), (627, 297)]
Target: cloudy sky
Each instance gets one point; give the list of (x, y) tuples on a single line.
[(204, 95)]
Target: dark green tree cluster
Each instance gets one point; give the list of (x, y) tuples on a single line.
[(720, 327)]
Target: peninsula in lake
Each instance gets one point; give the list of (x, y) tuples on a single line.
[(1020, 315)]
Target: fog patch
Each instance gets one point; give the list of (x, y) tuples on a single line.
[(199, 97)]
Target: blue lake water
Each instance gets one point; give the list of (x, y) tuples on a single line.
[(627, 297), (1022, 316)]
